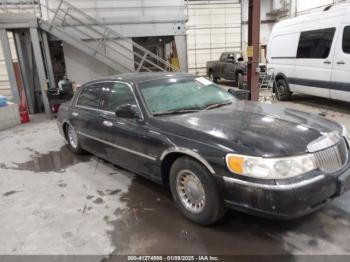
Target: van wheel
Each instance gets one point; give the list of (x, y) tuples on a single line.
[(195, 192), (240, 81), (212, 77), (282, 90)]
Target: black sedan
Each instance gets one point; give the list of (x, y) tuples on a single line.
[(215, 151)]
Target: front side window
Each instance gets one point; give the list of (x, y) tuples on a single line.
[(315, 44), (119, 94), (169, 95), (223, 57), (346, 40), (90, 96)]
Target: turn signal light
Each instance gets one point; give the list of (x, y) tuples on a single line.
[(235, 164)]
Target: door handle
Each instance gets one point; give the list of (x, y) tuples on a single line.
[(327, 62), (107, 123), (75, 114), (341, 62)]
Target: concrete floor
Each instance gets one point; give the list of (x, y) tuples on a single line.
[(53, 202)]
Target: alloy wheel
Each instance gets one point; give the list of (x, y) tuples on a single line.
[(72, 137)]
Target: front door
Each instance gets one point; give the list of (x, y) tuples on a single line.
[(230, 67), (126, 142), (314, 60), (341, 66)]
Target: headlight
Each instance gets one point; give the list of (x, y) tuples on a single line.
[(270, 168), (346, 134)]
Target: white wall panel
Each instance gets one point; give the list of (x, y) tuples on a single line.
[(213, 27), (5, 88)]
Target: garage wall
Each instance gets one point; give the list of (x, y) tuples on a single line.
[(82, 68), (213, 27), (5, 88), (134, 18)]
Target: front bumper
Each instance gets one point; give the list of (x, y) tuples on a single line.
[(287, 199)]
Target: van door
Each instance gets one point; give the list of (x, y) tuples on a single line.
[(341, 67), (314, 60)]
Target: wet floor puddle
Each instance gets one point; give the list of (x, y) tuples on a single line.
[(55, 161)]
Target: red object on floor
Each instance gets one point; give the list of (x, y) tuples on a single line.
[(23, 112), (55, 108)]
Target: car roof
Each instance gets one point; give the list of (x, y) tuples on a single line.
[(142, 77)]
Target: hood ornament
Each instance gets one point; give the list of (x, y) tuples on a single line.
[(323, 142)]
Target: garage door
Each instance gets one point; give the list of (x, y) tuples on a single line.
[(213, 27)]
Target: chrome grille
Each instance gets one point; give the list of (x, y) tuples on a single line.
[(333, 158)]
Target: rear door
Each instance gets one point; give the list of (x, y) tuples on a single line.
[(314, 60), (341, 67), (84, 117)]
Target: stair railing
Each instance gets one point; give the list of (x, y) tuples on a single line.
[(65, 15)]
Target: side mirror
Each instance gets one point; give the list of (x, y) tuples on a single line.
[(128, 111), (240, 94)]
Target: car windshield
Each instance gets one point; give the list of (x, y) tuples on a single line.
[(185, 95)]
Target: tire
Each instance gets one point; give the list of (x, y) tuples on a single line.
[(207, 205), (72, 139), (212, 77), (240, 80), (282, 90)]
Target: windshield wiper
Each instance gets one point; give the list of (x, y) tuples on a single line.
[(216, 105), (175, 112)]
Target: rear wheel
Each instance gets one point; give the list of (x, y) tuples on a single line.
[(282, 90), (212, 77), (195, 192), (73, 141), (240, 80)]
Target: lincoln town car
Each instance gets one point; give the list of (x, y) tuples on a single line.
[(214, 151)]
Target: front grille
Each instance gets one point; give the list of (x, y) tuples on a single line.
[(333, 158)]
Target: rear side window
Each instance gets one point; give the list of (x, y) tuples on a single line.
[(315, 44), (346, 40), (90, 96), (119, 94)]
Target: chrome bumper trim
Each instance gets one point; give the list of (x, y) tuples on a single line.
[(303, 183)]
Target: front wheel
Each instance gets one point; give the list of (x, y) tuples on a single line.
[(195, 192), (282, 90)]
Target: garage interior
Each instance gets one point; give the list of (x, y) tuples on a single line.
[(53, 202)]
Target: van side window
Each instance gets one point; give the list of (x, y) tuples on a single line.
[(346, 40), (315, 44)]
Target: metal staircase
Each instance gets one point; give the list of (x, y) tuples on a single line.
[(92, 37)]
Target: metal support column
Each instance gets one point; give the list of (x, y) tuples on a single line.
[(254, 45), (48, 60), (9, 65), (40, 66), (22, 56), (181, 48)]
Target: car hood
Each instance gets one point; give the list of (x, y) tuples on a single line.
[(252, 128)]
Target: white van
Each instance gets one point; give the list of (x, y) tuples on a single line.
[(310, 54)]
